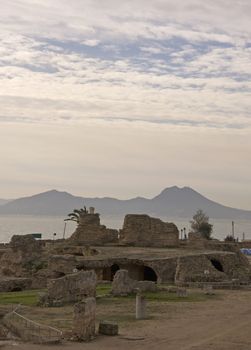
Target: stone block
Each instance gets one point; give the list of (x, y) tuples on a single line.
[(123, 285), (108, 328), (72, 288)]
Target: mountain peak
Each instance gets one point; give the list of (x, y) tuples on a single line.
[(171, 202), (175, 190)]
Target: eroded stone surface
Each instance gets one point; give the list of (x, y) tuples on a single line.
[(122, 284), (143, 230), (84, 320), (14, 284), (71, 288)]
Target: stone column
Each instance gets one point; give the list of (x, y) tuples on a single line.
[(84, 320), (140, 306)]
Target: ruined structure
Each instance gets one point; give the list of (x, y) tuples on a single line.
[(145, 231), (84, 320), (142, 250), (122, 284), (22, 257), (90, 232), (160, 265), (70, 288)]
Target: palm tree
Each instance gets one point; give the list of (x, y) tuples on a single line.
[(76, 215)]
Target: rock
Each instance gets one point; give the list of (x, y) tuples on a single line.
[(71, 288), (123, 285)]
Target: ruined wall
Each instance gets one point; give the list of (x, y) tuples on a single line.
[(123, 284), (89, 231), (144, 231), (61, 265), (212, 267), (14, 284), (23, 258), (190, 267), (72, 288)]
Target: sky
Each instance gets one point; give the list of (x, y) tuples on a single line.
[(123, 99)]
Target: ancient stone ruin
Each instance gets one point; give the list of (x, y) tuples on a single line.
[(89, 230), (84, 320), (22, 257), (70, 288), (122, 284), (145, 231)]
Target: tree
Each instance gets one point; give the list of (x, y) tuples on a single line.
[(200, 224), (76, 215)]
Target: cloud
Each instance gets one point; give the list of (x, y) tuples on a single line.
[(146, 66)]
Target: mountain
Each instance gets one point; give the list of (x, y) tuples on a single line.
[(171, 202)]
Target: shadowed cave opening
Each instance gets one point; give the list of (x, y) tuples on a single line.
[(149, 274), (216, 264), (114, 269)]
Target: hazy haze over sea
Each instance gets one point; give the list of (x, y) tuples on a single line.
[(47, 225)]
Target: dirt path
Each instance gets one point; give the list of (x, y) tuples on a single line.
[(222, 324)]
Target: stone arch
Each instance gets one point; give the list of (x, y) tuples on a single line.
[(149, 274), (217, 265), (109, 272), (114, 269)]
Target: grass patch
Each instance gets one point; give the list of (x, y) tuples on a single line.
[(27, 297), (103, 289)]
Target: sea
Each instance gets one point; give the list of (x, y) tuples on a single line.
[(54, 227)]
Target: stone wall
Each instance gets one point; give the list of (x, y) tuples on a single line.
[(14, 284), (190, 267), (72, 288), (61, 265), (212, 267), (23, 258), (122, 284), (90, 232), (145, 231)]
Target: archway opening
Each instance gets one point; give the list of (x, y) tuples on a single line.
[(109, 272), (114, 269), (149, 274), (217, 264)]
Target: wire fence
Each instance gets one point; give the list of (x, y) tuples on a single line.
[(29, 330)]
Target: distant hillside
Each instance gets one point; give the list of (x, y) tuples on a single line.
[(171, 202)]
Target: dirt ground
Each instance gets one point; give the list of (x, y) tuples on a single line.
[(220, 323)]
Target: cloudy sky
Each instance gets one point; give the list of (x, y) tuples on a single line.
[(124, 98)]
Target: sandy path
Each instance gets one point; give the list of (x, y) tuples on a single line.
[(213, 325)]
